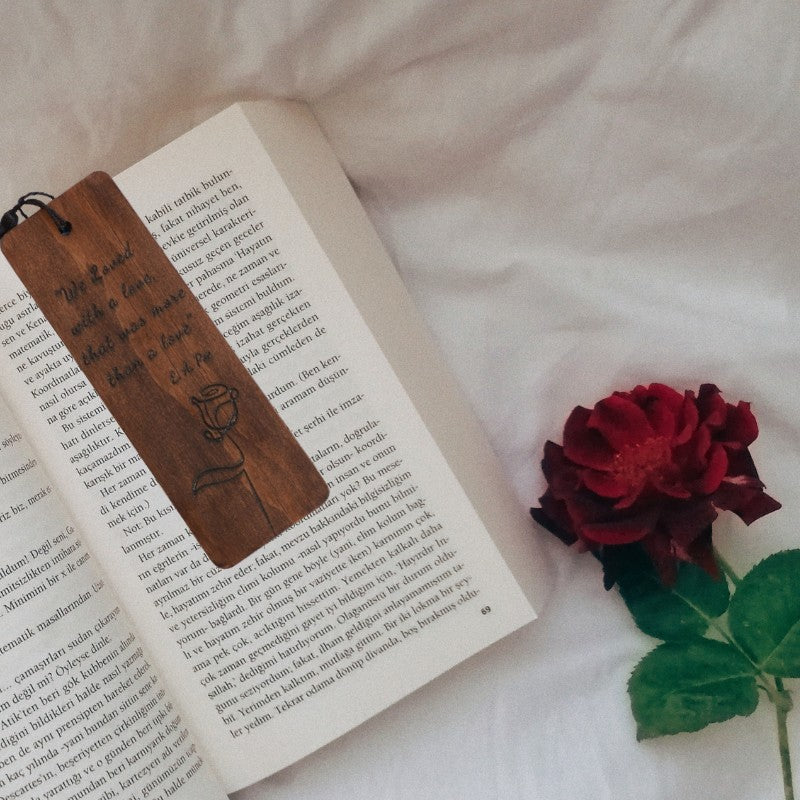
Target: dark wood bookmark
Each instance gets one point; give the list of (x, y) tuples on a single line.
[(225, 459)]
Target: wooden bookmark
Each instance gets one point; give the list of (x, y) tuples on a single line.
[(226, 460)]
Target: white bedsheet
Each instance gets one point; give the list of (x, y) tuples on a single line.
[(581, 196)]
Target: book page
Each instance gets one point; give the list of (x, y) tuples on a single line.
[(393, 581), (82, 713)]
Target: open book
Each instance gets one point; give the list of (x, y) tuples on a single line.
[(131, 666)]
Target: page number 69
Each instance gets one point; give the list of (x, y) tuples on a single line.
[(486, 610)]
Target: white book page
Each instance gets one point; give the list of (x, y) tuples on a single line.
[(82, 712), (391, 583)]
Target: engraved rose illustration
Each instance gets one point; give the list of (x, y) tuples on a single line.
[(218, 408)]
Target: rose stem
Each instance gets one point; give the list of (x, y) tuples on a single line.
[(782, 709)]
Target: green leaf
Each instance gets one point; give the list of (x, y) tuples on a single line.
[(684, 686), (764, 614), (682, 611)]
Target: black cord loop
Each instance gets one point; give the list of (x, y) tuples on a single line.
[(11, 218)]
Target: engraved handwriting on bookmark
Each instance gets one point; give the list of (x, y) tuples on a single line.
[(194, 413)]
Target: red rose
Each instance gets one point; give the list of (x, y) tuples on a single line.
[(653, 466)]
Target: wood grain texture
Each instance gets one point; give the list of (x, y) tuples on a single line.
[(226, 460)]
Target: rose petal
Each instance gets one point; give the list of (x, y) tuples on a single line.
[(701, 552), (684, 522), (627, 500), (670, 488), (667, 395), (741, 425), (734, 494), (688, 419), (754, 506), (740, 462), (585, 507), (562, 475), (553, 518), (658, 392), (701, 442), (553, 461), (760, 505), (661, 418), (620, 531), (621, 422), (712, 408), (659, 548), (583, 445), (603, 483), (716, 468)]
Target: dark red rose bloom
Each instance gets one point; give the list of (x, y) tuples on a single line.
[(655, 467)]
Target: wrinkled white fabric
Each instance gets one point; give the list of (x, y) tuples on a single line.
[(580, 196)]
